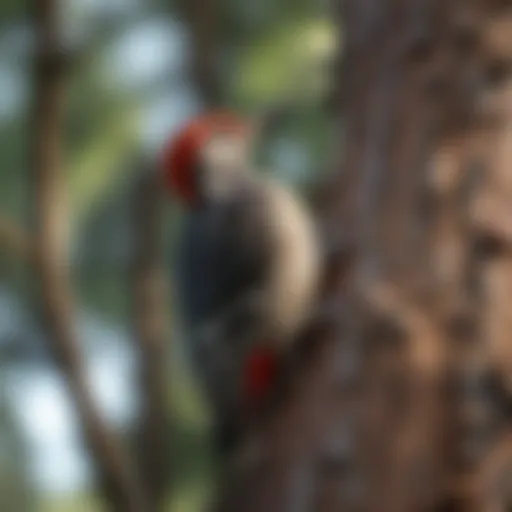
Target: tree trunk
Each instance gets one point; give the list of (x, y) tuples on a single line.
[(399, 401), (121, 486), (149, 313)]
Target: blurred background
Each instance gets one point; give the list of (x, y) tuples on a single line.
[(136, 69)]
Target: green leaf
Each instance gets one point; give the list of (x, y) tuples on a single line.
[(289, 62), (102, 163)]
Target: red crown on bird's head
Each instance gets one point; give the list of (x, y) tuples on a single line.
[(181, 154)]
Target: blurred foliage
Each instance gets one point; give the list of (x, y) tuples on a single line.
[(287, 63), (13, 148), (101, 137), (78, 503), (13, 9), (15, 486), (96, 168)]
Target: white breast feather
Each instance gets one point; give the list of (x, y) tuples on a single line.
[(294, 274)]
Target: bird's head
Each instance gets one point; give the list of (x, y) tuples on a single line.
[(206, 157)]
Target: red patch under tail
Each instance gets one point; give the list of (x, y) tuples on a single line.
[(260, 374)]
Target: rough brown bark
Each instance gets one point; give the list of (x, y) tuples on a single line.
[(150, 313), (400, 402), (121, 486)]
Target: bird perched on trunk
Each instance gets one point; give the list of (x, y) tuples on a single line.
[(248, 266)]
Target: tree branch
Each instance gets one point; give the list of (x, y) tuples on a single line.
[(149, 314), (202, 17), (120, 483)]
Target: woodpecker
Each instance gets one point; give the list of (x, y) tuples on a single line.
[(247, 266)]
